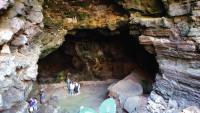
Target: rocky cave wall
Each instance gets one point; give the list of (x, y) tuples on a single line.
[(20, 20), (175, 41), (170, 29)]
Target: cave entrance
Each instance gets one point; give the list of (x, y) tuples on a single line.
[(95, 55)]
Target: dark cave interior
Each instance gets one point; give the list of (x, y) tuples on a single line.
[(97, 54)]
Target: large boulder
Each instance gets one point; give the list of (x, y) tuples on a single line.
[(136, 104), (128, 92), (124, 89)]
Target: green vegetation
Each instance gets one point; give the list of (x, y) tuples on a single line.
[(70, 14), (60, 77), (49, 22), (83, 4), (83, 16)]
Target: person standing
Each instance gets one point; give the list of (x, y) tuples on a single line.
[(42, 96), (35, 104), (71, 86), (76, 88), (79, 86), (68, 85), (31, 104)]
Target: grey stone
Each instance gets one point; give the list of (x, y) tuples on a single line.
[(7, 65), (5, 84), (35, 16), (5, 35), (16, 24), (172, 104), (20, 8), (20, 108), (127, 88), (136, 104), (4, 4), (12, 97), (132, 104), (156, 103), (191, 109), (5, 49), (31, 29), (29, 73), (1, 102), (177, 9), (20, 40), (183, 27), (196, 13), (195, 32), (151, 22)]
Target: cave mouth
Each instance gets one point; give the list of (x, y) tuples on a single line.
[(96, 58), (97, 54)]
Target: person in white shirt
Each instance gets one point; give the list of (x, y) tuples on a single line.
[(71, 88), (35, 104)]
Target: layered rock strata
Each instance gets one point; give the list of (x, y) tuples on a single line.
[(174, 40)]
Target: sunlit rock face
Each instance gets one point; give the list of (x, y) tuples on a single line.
[(19, 56)]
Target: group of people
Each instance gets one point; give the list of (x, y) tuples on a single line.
[(33, 103), (73, 87)]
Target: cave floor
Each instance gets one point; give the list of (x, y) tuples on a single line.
[(92, 94)]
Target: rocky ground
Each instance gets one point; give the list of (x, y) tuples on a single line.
[(58, 100)]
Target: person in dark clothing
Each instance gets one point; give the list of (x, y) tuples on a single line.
[(76, 88)]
